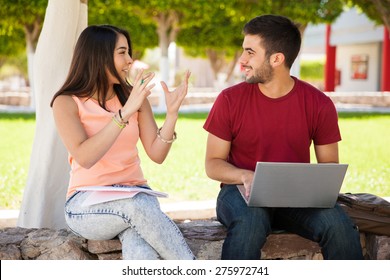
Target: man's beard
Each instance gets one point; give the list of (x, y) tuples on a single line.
[(261, 75)]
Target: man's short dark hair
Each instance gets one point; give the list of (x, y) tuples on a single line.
[(278, 34)]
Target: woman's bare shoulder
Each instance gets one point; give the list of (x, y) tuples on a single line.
[(64, 102)]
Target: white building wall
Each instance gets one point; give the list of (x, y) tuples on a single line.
[(353, 34), (356, 35), (313, 41), (344, 57), (353, 27)]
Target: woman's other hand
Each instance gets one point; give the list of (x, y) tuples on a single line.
[(174, 98)]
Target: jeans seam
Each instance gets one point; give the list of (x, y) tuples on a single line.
[(179, 233), (104, 212)]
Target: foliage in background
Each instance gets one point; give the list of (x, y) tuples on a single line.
[(208, 28), (376, 10), (10, 44), (203, 28), (22, 20), (143, 35), (219, 35), (20, 25)]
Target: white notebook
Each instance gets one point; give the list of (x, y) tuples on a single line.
[(99, 194)]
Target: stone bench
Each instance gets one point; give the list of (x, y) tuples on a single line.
[(205, 237)]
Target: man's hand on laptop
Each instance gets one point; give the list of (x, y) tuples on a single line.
[(247, 179)]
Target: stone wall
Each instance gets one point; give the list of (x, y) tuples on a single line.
[(15, 98), (374, 99), (205, 237)]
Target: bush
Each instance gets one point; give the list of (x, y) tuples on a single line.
[(312, 70)]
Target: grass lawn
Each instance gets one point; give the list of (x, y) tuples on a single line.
[(182, 174), (365, 146), (16, 137)]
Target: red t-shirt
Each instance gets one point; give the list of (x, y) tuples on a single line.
[(272, 130)]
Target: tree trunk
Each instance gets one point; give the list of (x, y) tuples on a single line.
[(167, 28), (217, 61), (232, 65), (48, 176)]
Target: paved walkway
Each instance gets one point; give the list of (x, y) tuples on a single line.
[(361, 108)]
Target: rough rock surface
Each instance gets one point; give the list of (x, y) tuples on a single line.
[(205, 237)]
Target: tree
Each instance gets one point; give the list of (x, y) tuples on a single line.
[(219, 34), (376, 10), (27, 17), (169, 16), (22, 15), (11, 42), (143, 35), (21, 23)]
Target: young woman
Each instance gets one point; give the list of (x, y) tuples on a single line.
[(100, 117)]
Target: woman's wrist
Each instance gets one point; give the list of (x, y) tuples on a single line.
[(167, 141), (123, 121), (124, 114), (172, 116)]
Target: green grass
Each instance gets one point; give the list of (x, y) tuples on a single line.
[(312, 70), (16, 137), (182, 174), (365, 146)]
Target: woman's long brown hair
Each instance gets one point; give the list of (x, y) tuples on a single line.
[(93, 55)]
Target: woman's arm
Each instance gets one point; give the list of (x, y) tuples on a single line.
[(86, 151), (157, 147)]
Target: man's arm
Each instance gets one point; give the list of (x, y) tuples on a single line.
[(327, 153), (217, 167)]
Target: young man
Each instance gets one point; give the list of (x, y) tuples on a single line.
[(273, 117)]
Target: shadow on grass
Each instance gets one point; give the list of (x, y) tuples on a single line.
[(194, 116), (361, 115), (17, 116)]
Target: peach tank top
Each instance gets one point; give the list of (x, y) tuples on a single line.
[(121, 163)]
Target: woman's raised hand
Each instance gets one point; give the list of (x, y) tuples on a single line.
[(141, 90), (174, 98)]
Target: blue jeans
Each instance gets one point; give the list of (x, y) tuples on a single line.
[(248, 227), (143, 229)]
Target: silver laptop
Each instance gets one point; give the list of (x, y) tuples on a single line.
[(277, 184)]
